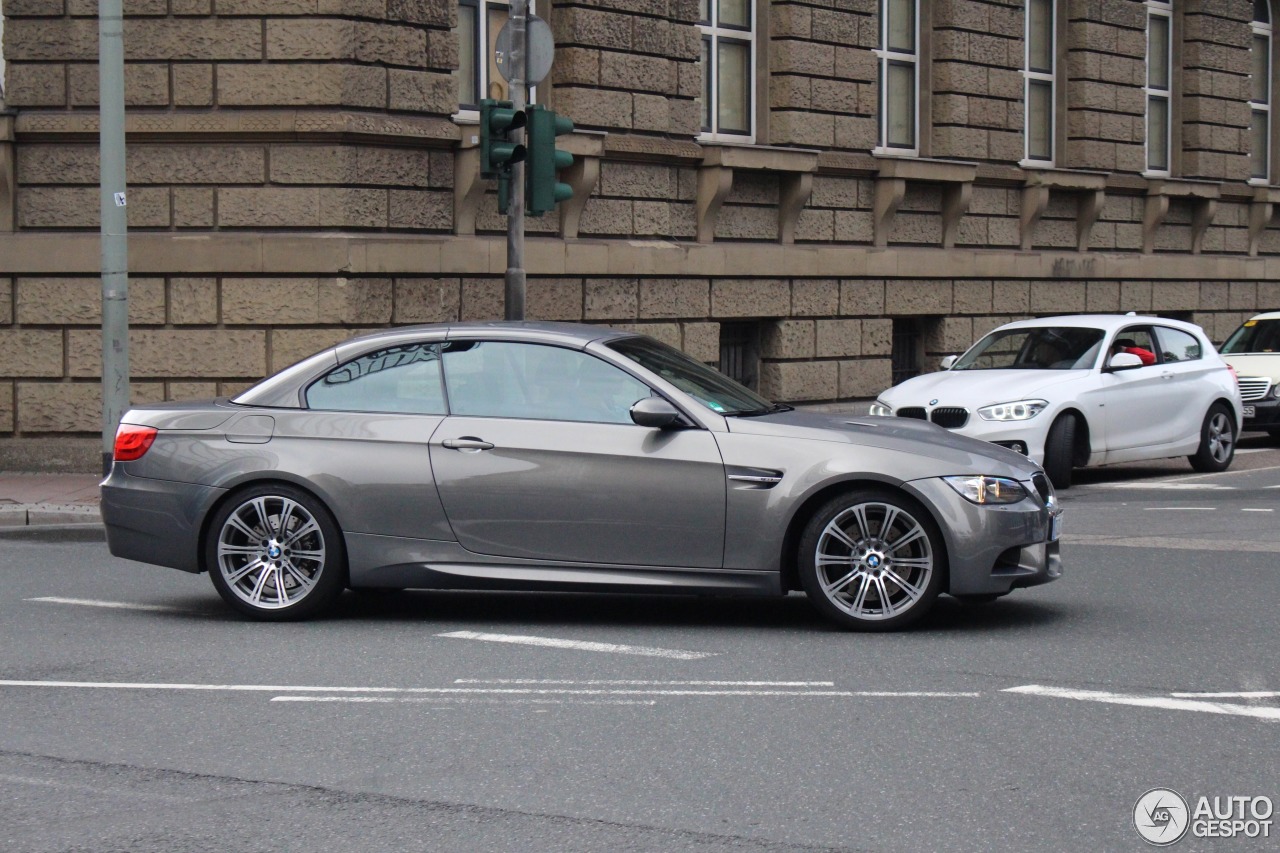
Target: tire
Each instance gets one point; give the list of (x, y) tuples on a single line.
[(1059, 451), (275, 553), (872, 560), (1217, 441)]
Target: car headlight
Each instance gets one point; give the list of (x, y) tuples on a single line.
[(1019, 410), (981, 489), (880, 410)]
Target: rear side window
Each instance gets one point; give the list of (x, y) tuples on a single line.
[(404, 379), (1176, 345)]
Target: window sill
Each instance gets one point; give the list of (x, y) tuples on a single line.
[(893, 175), (795, 167), (1040, 183), (1203, 195)]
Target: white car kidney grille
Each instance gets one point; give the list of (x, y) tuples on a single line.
[(1254, 387)]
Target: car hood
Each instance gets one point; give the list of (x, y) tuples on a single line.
[(975, 388), (959, 453), (1255, 364)]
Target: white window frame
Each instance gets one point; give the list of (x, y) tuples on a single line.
[(1030, 76), (471, 112), (710, 30), (886, 57), (1265, 29), (1159, 9)]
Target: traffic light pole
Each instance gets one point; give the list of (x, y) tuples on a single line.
[(519, 96)]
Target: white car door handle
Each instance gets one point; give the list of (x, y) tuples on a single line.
[(1167, 375), (467, 442)]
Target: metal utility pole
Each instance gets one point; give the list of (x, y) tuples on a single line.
[(519, 97), (114, 224)]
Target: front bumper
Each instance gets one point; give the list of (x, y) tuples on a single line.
[(1266, 414), (993, 550), (1028, 436)]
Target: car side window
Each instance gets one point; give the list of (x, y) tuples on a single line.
[(515, 380), (403, 379), (1136, 340), (1177, 345)]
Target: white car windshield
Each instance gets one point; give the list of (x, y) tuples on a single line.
[(1254, 336), (1034, 348)]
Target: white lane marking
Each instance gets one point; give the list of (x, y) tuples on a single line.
[(115, 605), (448, 703), (1251, 509), (1165, 485), (1239, 451), (620, 683), (1171, 543), (1168, 703), (551, 642), (484, 691), (1180, 509), (1241, 694), (92, 789)]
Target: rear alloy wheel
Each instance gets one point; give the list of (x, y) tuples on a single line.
[(1217, 441), (1059, 451), (872, 560), (275, 553)]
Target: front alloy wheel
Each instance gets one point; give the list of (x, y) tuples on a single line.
[(871, 561), (274, 553)]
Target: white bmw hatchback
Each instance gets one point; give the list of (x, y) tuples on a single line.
[(1084, 390)]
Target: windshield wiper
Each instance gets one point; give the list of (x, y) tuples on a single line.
[(755, 413)]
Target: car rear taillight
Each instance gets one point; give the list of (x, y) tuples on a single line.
[(133, 441)]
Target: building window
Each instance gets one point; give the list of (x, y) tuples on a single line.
[(1159, 84), (479, 22), (740, 353), (1039, 73), (899, 56), (905, 354), (1260, 93), (728, 68)]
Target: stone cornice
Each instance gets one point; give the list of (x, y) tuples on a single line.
[(256, 124), (153, 254)]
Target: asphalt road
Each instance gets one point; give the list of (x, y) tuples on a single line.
[(137, 713)]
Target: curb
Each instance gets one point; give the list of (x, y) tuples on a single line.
[(24, 515)]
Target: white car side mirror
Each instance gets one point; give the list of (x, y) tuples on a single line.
[(1123, 361), (949, 361)]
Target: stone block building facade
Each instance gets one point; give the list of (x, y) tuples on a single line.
[(820, 195)]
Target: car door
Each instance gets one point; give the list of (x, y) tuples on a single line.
[(1143, 404), (1182, 358), (539, 459)]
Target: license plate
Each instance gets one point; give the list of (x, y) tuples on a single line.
[(1055, 527), (1248, 411)]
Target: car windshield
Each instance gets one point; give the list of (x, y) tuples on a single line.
[(709, 387), (1034, 348), (1254, 336)]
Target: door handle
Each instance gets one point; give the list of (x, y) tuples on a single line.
[(468, 443), (1167, 375)]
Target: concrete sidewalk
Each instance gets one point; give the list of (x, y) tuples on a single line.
[(35, 499)]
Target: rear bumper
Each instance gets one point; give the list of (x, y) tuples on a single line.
[(155, 521), (992, 550)]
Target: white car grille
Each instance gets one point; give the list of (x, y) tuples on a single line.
[(1254, 387)]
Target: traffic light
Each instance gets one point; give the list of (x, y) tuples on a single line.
[(542, 191), (498, 153)]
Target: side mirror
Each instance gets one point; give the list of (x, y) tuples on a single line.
[(655, 413), (949, 361), (1124, 361)]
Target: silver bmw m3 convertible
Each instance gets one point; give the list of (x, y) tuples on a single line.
[(552, 456)]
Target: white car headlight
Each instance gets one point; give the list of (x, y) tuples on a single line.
[(880, 410), (981, 489), (1019, 410)]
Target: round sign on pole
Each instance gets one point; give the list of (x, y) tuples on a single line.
[(540, 51)]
